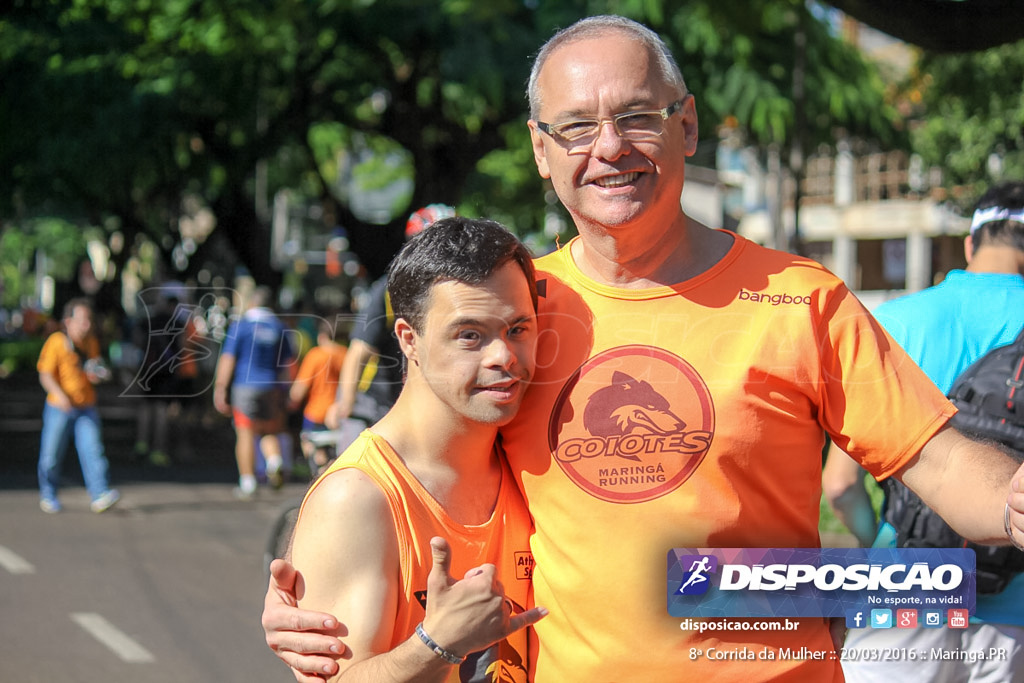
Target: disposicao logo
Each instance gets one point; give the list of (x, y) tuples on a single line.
[(859, 583), (697, 579)]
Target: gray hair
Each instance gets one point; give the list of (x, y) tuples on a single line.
[(592, 27)]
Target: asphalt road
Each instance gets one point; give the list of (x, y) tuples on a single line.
[(167, 587)]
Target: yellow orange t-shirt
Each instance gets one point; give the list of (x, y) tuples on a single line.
[(694, 416), (503, 541), (321, 367), (59, 358)]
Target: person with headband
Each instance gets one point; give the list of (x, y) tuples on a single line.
[(995, 214), (946, 328)]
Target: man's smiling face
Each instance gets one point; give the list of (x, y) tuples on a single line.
[(611, 182)]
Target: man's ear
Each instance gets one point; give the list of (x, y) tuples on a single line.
[(407, 339), (969, 248), (539, 153), (689, 117)]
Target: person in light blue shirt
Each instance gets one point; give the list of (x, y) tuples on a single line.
[(944, 329)]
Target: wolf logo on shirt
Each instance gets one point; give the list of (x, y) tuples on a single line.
[(646, 424), (629, 406)]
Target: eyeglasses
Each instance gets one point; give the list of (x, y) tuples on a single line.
[(630, 125)]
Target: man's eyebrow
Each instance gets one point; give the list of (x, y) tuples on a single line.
[(469, 321), (466, 321), (638, 104), (522, 319)]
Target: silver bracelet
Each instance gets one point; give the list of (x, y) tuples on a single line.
[(1009, 529), (444, 654)]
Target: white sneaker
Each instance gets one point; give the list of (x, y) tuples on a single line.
[(49, 505), (105, 501)]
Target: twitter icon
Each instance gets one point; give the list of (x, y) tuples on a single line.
[(881, 618)]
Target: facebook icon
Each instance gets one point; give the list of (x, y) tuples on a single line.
[(855, 618)]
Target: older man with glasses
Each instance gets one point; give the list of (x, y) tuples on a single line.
[(686, 379)]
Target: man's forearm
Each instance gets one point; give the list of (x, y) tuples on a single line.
[(966, 482), (225, 371), (409, 662)]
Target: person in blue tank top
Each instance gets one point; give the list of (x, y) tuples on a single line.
[(257, 364)]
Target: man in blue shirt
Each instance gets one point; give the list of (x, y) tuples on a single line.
[(944, 329), (256, 363)]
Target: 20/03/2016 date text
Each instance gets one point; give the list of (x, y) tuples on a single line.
[(909, 654)]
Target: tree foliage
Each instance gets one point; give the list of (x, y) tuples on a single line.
[(741, 58), (125, 109), (971, 110)]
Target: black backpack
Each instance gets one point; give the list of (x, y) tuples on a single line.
[(989, 396)]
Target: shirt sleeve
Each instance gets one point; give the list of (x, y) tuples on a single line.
[(877, 404), (230, 347), (48, 355)]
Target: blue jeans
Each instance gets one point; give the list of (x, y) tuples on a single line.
[(58, 426)]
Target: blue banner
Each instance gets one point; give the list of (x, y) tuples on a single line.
[(820, 582)]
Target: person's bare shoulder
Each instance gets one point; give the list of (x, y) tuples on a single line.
[(345, 535), (347, 502), (346, 549)]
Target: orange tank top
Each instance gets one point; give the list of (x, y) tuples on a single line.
[(503, 540)]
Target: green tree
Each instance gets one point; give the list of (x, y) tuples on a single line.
[(63, 244), (128, 111), (971, 110)]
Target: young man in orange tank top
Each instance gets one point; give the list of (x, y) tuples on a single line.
[(425, 494)]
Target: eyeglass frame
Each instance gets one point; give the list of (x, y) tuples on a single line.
[(665, 113)]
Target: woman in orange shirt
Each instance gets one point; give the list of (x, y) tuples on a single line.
[(68, 367)]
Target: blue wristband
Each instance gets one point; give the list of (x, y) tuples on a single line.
[(444, 654)]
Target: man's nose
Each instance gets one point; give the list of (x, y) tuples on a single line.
[(499, 354), (607, 142)]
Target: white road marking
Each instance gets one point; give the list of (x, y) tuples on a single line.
[(121, 644), (14, 563)]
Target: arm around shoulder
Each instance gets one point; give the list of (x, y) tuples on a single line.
[(969, 483)]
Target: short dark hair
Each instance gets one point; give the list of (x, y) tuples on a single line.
[(1009, 233), (466, 250), (72, 304)]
